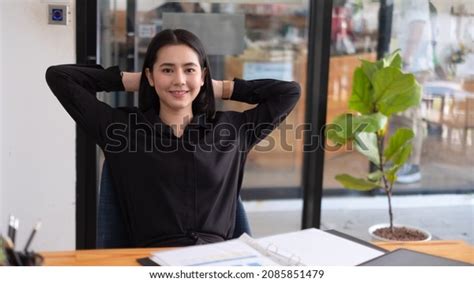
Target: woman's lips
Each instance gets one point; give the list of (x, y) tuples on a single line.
[(178, 93)]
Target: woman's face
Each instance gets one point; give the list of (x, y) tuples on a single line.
[(176, 76)]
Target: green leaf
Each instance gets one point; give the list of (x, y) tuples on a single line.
[(361, 99), (369, 68), (380, 120), (366, 144), (368, 123), (391, 173), (337, 130), (393, 60), (395, 91), (345, 126), (375, 176), (395, 150), (332, 132), (358, 184), (341, 129), (391, 177), (403, 156)]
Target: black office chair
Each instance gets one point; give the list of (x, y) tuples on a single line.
[(111, 232)]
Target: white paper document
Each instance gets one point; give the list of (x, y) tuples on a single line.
[(306, 247), (316, 247), (230, 253)]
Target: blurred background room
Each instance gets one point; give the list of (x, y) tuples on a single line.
[(47, 164)]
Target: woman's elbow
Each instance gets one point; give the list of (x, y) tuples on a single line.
[(294, 89), (51, 74)]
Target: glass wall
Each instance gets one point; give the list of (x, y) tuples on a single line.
[(436, 42), (254, 39), (354, 36)]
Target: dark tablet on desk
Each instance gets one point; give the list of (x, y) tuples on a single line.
[(146, 262), (404, 257)]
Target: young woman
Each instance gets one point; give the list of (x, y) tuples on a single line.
[(177, 164)]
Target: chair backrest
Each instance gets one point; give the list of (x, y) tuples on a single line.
[(111, 231)]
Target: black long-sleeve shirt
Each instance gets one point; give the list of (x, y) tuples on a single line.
[(173, 190)]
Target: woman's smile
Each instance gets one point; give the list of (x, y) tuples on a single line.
[(178, 93)]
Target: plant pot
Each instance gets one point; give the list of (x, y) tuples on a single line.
[(373, 228)]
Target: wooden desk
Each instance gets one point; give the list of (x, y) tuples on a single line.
[(458, 250)]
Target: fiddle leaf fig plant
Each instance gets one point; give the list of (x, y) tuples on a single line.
[(379, 90)]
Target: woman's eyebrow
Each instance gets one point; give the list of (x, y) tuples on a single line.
[(172, 65), (190, 65)]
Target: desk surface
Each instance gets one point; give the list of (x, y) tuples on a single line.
[(458, 250)]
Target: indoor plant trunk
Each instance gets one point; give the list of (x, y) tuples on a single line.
[(391, 232)]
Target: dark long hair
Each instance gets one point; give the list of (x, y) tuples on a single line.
[(148, 98)]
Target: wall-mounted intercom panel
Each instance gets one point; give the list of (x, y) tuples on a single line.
[(59, 14)]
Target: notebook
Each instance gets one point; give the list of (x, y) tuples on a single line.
[(305, 247)]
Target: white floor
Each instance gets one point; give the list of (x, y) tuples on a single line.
[(447, 217)]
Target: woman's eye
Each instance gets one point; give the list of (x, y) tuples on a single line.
[(190, 70), (167, 70)]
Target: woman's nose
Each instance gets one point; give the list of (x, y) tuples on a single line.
[(179, 78)]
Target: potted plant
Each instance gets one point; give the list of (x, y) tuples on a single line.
[(380, 89)]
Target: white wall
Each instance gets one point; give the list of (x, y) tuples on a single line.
[(2, 199), (37, 136)]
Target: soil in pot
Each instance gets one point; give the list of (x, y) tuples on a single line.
[(400, 234)]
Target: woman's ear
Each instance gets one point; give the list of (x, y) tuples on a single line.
[(203, 76), (149, 76)]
